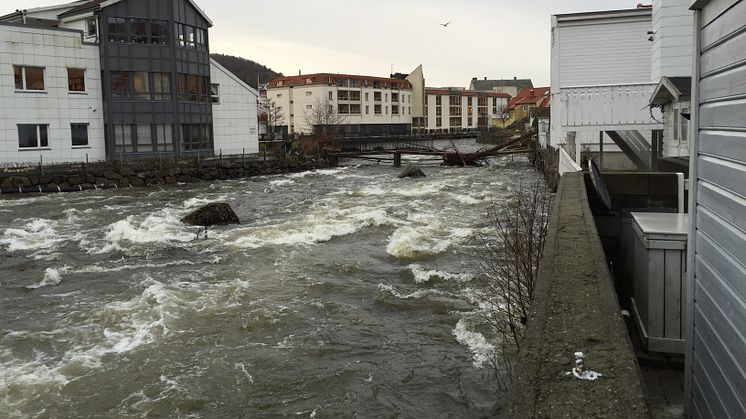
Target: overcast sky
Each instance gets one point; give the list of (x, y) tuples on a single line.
[(487, 38)]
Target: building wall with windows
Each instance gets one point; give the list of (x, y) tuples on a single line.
[(362, 105), (156, 78), (234, 113), (50, 85), (457, 110)]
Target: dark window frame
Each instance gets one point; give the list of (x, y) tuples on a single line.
[(77, 126), (21, 78), (40, 136), (76, 85)]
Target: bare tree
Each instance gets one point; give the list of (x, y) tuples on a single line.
[(274, 117), (509, 262), (323, 118)]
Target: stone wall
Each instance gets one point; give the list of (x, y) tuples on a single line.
[(104, 175)]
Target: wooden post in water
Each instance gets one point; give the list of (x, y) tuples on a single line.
[(397, 159)]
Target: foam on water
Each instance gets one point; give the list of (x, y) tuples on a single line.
[(412, 296), (52, 277), (482, 351), (39, 234), (281, 182), (410, 242), (162, 227), (319, 226), (422, 275)]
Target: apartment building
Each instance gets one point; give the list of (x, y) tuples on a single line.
[(358, 105), (116, 79), (456, 110), (509, 86)]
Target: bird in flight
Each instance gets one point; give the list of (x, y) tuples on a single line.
[(444, 24)]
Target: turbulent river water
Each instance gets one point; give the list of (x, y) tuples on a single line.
[(344, 293)]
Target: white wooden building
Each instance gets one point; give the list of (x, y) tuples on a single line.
[(601, 81), (234, 112), (716, 355)]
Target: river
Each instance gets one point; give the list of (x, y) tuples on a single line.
[(345, 292)]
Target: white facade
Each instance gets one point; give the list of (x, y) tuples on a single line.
[(54, 108), (234, 113), (601, 77), (459, 110), (672, 39), (354, 103)]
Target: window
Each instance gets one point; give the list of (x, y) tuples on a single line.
[(309, 107), (367, 97), (79, 134), (395, 109), (455, 121), (191, 37), (367, 109), (343, 95), (164, 139), (215, 92), (33, 136), (684, 125), (162, 86), (377, 109), (28, 78), (331, 95), (376, 96), (142, 85), (386, 97), (90, 25), (196, 137), (75, 80), (158, 32), (117, 29), (355, 109), (192, 88), (309, 93), (120, 85), (438, 122), (123, 138), (343, 108), (387, 110), (676, 124), (144, 139)]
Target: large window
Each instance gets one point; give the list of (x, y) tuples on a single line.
[(144, 139), (191, 37), (196, 137), (79, 133), (28, 78), (33, 136), (120, 85), (141, 84), (164, 137), (75, 80), (123, 138), (137, 31), (162, 86), (193, 88)]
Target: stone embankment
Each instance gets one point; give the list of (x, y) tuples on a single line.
[(575, 310), (106, 175)]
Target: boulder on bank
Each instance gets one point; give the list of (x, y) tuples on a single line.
[(412, 171), (217, 213)]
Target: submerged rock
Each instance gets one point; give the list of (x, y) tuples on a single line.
[(218, 213), (412, 171)]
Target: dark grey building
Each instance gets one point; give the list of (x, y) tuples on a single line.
[(156, 78)]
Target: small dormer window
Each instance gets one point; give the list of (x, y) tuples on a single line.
[(279, 83)]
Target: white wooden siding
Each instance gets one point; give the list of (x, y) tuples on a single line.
[(672, 39), (716, 370), (606, 51)]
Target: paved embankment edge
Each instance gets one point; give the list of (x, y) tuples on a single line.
[(575, 310)]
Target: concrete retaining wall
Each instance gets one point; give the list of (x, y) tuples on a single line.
[(575, 309)]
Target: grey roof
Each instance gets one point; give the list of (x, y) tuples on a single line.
[(477, 84), (684, 84)]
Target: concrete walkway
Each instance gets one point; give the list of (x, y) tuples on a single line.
[(576, 310)]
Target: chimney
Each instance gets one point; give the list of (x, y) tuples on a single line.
[(485, 79), (515, 78), (473, 78)]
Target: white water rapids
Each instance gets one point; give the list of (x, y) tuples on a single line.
[(344, 293)]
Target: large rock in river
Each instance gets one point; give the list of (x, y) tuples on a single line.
[(412, 171), (218, 213)]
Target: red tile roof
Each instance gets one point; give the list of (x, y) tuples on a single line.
[(536, 97)]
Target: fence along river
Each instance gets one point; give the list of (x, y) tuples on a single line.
[(345, 293)]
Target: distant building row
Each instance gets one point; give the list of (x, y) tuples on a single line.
[(374, 106), (117, 79)]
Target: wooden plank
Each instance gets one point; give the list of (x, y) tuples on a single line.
[(657, 292), (673, 283)]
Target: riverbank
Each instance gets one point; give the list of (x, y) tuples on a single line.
[(115, 174)]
